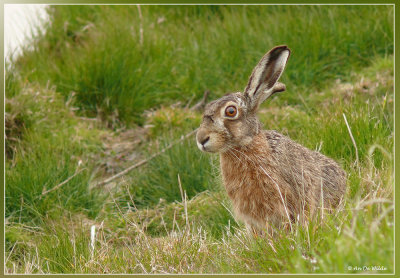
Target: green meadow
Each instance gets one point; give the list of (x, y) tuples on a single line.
[(101, 88)]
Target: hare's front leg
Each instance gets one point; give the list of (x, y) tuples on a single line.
[(257, 231), (251, 230)]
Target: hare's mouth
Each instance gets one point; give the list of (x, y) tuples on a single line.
[(209, 141), (206, 147)]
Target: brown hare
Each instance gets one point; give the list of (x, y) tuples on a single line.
[(269, 178)]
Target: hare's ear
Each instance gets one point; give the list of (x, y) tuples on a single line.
[(263, 80)]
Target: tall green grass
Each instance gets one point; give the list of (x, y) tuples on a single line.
[(97, 51), (48, 146)]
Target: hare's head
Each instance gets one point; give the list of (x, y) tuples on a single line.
[(231, 121)]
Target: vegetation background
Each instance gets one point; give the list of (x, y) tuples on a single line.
[(102, 87)]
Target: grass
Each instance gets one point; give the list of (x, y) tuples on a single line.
[(90, 100), (49, 151), (214, 47)]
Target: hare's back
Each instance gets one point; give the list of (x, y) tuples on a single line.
[(305, 169)]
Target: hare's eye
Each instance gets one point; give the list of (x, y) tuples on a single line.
[(231, 111)]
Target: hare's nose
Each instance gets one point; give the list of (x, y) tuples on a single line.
[(202, 137), (204, 140)]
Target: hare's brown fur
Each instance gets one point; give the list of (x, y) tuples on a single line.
[(269, 177), (255, 195)]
